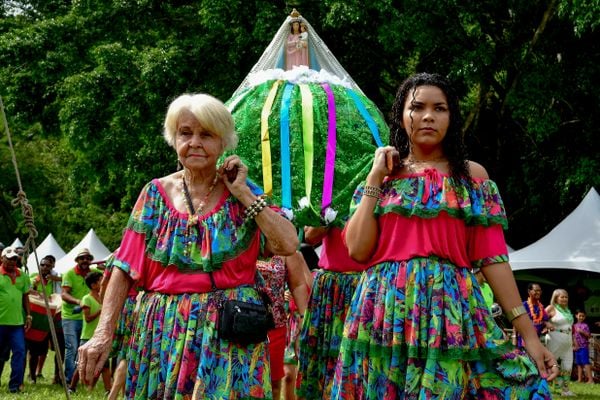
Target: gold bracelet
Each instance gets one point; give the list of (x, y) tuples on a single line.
[(372, 191), (515, 313)]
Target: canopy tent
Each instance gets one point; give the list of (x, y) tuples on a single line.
[(90, 242), (48, 247), (16, 243), (573, 244)]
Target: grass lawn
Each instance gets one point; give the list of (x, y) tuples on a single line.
[(44, 390)]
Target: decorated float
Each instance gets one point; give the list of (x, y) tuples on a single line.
[(307, 132)]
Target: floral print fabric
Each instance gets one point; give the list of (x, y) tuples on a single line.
[(418, 327)]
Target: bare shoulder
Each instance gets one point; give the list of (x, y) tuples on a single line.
[(170, 183), (477, 170)]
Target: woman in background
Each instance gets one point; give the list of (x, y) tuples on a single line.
[(560, 341)]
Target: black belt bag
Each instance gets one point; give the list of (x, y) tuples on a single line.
[(244, 322)]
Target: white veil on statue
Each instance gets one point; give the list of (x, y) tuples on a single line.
[(320, 57)]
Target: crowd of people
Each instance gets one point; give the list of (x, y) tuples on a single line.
[(399, 305)]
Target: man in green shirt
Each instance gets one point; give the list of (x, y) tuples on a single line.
[(38, 338), (14, 287), (73, 290)]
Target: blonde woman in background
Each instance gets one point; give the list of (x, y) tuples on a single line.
[(560, 341)]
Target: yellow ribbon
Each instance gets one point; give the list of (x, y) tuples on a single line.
[(307, 137), (265, 141)]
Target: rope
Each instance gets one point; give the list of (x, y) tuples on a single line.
[(27, 211)]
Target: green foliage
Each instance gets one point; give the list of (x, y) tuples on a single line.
[(86, 84)]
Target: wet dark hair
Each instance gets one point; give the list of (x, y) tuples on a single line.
[(49, 257), (92, 278), (453, 144)]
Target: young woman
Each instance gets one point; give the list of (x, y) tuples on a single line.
[(418, 326)]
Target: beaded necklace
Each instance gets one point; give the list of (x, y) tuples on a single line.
[(565, 312), (193, 215), (536, 317)]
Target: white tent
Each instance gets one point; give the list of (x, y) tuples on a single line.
[(48, 247), (90, 242), (16, 243), (573, 244)]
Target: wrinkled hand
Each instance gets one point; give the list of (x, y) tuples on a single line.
[(544, 359), (92, 357), (238, 186)]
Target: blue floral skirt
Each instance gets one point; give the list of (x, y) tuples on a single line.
[(321, 333), (175, 352), (420, 329)]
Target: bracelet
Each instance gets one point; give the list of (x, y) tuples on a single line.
[(515, 313), (254, 208), (29, 317), (372, 191)]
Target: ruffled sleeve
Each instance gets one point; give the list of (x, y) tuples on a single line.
[(430, 213)]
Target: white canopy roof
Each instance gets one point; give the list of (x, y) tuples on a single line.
[(48, 247), (572, 244), (16, 243), (90, 242)]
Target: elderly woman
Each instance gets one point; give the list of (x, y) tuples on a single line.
[(202, 225)]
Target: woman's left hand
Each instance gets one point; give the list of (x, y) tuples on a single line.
[(234, 173), (544, 359)]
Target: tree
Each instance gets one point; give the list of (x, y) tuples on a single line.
[(86, 84)]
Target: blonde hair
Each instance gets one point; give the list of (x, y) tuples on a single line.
[(555, 294), (210, 112)]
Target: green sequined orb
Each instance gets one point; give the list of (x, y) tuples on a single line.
[(308, 143)]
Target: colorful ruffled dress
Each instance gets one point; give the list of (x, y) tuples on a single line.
[(418, 327), (274, 273), (175, 351), (126, 321), (323, 325)]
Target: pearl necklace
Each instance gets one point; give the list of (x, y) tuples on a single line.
[(193, 215)]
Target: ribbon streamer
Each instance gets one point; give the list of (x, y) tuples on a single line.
[(367, 117), (307, 137), (284, 131), (331, 149), (266, 141)]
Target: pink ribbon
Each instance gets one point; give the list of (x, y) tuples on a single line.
[(331, 147)]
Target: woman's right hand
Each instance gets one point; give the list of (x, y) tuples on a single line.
[(384, 162), (93, 356)]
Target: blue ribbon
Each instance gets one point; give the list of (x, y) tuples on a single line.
[(366, 116), (284, 130)]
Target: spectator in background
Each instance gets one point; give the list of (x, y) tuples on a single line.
[(581, 347), (536, 311), (41, 284), (14, 287), (91, 306), (560, 335), (73, 290), (278, 273)]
